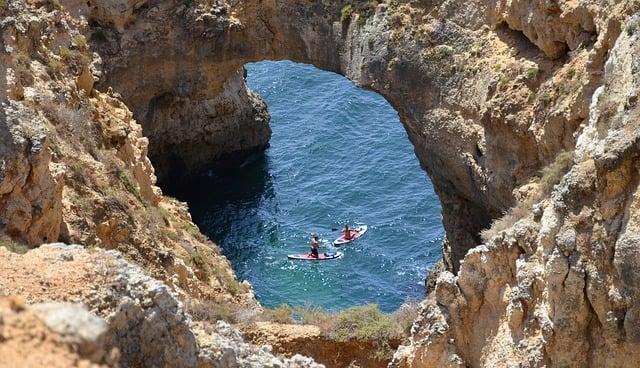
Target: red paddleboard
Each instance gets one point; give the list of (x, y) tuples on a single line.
[(359, 231), (321, 256)]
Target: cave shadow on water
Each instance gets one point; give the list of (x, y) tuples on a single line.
[(222, 203), (321, 171)]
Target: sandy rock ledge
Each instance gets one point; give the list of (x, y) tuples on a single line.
[(136, 321)]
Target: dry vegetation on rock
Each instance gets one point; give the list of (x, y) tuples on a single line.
[(533, 103), (539, 188)]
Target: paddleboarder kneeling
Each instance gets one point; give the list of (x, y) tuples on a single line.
[(347, 232), (314, 246)]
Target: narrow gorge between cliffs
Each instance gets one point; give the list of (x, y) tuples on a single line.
[(338, 154)]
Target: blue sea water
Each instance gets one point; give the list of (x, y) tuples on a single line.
[(338, 154)]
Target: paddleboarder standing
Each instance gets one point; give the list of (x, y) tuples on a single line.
[(314, 246)]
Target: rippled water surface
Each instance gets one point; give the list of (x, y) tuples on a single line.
[(338, 154)]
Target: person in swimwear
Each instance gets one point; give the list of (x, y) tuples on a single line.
[(348, 233), (315, 243)]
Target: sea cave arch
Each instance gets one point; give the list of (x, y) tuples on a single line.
[(182, 77)]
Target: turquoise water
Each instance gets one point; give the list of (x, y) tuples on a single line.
[(338, 154)]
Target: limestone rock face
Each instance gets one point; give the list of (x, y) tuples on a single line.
[(76, 324), (488, 92), (145, 325), (223, 346), (195, 110), (30, 184), (189, 136), (55, 334), (74, 163), (558, 288), (292, 339)]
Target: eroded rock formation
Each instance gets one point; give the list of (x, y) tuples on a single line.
[(57, 335), (478, 86), (73, 160), (143, 323), (557, 287), (489, 92), (291, 339)]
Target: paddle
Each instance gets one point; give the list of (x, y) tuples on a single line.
[(324, 242)]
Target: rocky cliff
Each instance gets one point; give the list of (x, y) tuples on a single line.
[(74, 165), (488, 93), (558, 287), (126, 318), (523, 113)]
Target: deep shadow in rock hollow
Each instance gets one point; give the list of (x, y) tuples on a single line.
[(218, 200)]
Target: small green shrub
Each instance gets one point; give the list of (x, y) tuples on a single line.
[(21, 57), (234, 286), (545, 97), (199, 259), (129, 184), (440, 52), (531, 97), (80, 41), (65, 53), (362, 19), (631, 28), (532, 73), (12, 245), (210, 311), (166, 215), (314, 315), (551, 174), (443, 52), (346, 13), (509, 219), (504, 81), (365, 323), (571, 73), (282, 314), (56, 66), (171, 234)]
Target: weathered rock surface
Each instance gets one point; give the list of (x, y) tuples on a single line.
[(558, 288), (52, 334), (73, 161), (291, 339), (488, 92), (223, 347), (146, 325)]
